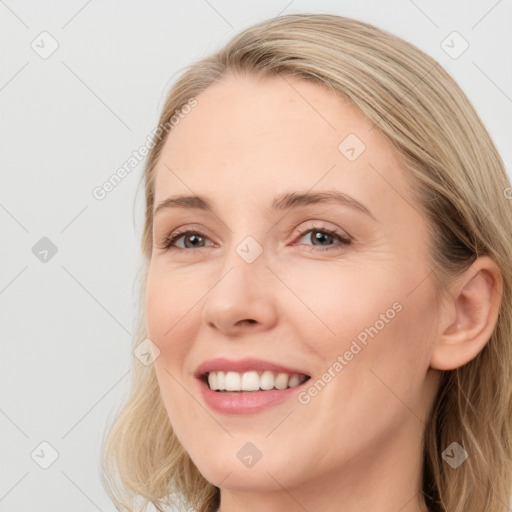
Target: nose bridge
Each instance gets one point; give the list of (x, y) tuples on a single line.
[(242, 292), (245, 263), (247, 237)]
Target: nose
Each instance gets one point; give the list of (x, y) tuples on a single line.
[(242, 298)]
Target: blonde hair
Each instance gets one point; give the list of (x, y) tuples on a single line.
[(461, 185)]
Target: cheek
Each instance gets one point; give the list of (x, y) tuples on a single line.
[(165, 305), (169, 306), (341, 300), (373, 321)]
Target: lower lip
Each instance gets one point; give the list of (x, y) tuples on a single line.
[(245, 402)]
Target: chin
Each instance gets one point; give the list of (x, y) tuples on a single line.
[(234, 475)]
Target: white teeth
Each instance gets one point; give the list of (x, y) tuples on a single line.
[(253, 380), (232, 381), (221, 380), (267, 380), (293, 381), (250, 381), (281, 381), (212, 380)]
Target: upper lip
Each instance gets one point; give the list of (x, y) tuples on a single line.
[(243, 365)]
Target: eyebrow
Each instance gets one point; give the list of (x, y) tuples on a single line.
[(281, 202)]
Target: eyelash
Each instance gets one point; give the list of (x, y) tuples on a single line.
[(302, 231)]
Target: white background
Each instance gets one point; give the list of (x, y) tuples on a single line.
[(68, 122)]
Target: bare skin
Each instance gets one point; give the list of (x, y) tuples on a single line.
[(356, 444)]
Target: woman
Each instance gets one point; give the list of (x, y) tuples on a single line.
[(327, 285)]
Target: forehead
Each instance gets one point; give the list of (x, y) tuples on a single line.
[(251, 136)]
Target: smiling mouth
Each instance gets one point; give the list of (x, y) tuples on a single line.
[(252, 381)]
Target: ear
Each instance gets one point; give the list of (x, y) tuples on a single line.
[(471, 312)]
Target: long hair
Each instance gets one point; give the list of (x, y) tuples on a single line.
[(460, 183)]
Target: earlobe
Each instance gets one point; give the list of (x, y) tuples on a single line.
[(475, 299)]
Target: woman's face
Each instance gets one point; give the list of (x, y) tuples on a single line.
[(339, 291)]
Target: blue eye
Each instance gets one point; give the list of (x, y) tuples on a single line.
[(321, 234), (169, 242)]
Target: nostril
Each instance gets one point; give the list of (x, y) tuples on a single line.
[(250, 321)]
